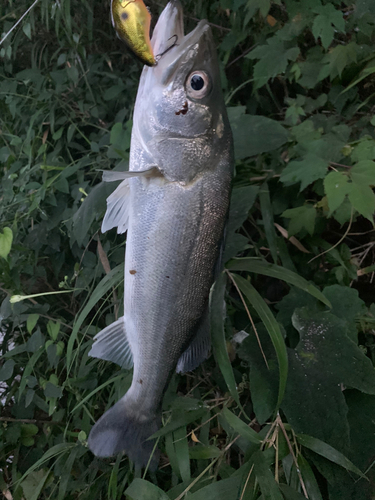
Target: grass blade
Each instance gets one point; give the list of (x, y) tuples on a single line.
[(239, 426), (258, 266), (267, 216), (272, 327), (327, 451), (219, 347)]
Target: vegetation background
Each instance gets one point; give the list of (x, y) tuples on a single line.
[(285, 408)]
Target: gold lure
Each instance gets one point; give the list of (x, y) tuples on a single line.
[(131, 19)]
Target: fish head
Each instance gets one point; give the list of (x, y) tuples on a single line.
[(180, 117)]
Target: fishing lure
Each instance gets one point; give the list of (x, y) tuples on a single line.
[(131, 20)]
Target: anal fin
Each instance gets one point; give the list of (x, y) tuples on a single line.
[(199, 348), (111, 344)]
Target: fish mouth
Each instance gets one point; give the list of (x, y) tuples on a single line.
[(170, 44)]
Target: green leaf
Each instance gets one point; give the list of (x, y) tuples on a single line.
[(140, 489), (309, 479), (272, 326), (266, 480), (300, 218), (363, 173), (92, 208), (268, 221), (264, 380), (32, 320), (253, 135), (179, 420), (6, 371), (273, 60), (110, 280), (6, 239), (323, 26), (242, 200), (26, 28), (239, 426), (306, 171), (226, 489), (181, 447), (254, 265), (202, 452), (33, 484), (336, 187), (363, 200), (291, 494), (327, 451), (219, 346)]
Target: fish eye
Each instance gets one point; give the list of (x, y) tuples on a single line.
[(198, 84)]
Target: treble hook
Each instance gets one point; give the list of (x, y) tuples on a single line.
[(159, 56)]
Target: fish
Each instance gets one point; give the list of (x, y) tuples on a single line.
[(131, 20), (173, 202)]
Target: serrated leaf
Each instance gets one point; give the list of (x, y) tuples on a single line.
[(363, 173), (273, 60), (6, 239), (253, 135), (363, 200), (323, 26), (300, 218), (306, 171), (336, 188)]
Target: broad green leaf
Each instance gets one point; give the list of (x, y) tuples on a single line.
[(324, 358), (300, 218), (290, 493), (362, 198), (258, 266), (6, 239), (336, 187), (6, 371), (239, 426), (272, 326), (219, 346), (32, 320), (363, 173), (306, 171), (256, 134), (33, 484), (140, 489), (327, 451)]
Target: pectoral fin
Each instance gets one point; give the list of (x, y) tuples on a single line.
[(199, 348), (112, 175), (117, 214), (111, 344)]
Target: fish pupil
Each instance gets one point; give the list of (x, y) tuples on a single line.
[(197, 82), (124, 16)]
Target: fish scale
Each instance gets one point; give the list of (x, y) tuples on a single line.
[(173, 203)]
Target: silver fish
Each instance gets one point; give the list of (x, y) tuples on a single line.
[(173, 202)]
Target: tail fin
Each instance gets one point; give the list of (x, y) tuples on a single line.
[(123, 429)]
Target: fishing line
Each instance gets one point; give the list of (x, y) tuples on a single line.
[(18, 22)]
